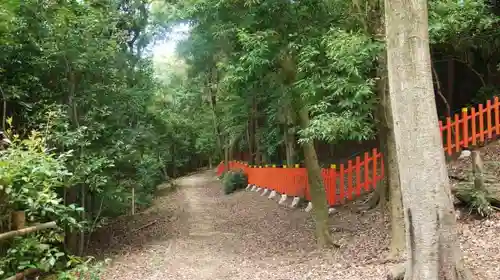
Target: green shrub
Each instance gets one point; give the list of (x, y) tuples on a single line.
[(234, 180)]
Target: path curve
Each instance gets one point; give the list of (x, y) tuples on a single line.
[(212, 236)]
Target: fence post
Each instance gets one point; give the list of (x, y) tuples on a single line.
[(488, 119), (465, 118), (496, 105), (375, 168), (481, 123)]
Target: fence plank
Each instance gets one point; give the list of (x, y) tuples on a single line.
[(349, 180), (358, 175), (473, 126), (488, 116), (465, 122), (457, 133), (481, 123), (497, 115), (342, 183), (374, 174), (448, 135), (367, 171)]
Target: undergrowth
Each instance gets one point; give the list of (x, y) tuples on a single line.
[(233, 181)]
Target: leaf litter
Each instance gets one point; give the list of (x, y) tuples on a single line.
[(197, 232)]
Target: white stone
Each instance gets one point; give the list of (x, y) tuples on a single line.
[(248, 187), (309, 207), (331, 210), (295, 202), (282, 199), (272, 194), (264, 192), (465, 154), (258, 189), (253, 188)]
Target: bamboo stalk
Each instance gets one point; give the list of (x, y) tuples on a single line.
[(27, 230)]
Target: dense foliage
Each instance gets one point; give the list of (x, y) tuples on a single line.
[(89, 122), (259, 62), (234, 180), (96, 125)]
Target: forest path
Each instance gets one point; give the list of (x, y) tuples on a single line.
[(197, 232), (200, 233)]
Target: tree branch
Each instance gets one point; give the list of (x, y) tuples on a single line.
[(27, 230)]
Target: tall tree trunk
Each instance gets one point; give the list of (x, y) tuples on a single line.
[(71, 236), (258, 155), (212, 79), (289, 135), (289, 146), (249, 140), (83, 197), (317, 189), (392, 187), (389, 188), (253, 130), (431, 237), (451, 81), (397, 245)]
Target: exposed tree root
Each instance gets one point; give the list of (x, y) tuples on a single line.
[(397, 272), (462, 271), (394, 256), (373, 202), (326, 240)]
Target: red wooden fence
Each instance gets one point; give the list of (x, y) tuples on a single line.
[(361, 174)]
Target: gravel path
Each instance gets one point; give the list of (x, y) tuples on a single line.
[(199, 233)]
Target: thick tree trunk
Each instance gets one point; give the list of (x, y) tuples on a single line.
[(431, 237), (317, 189), (389, 188)]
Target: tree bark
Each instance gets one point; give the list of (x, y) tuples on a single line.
[(317, 189), (212, 78), (258, 154), (478, 171), (289, 146), (18, 219), (289, 132), (431, 236), (390, 188), (393, 186), (71, 237)]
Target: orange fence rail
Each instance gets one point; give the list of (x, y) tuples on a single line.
[(471, 127), (361, 174)]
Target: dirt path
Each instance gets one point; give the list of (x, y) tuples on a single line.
[(202, 234)]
